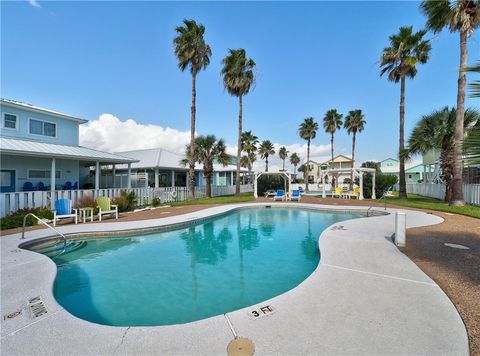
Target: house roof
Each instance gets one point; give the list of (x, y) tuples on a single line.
[(30, 107), (162, 158), (30, 148), (339, 158), (389, 158)]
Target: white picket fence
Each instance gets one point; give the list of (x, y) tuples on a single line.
[(11, 202), (471, 192)]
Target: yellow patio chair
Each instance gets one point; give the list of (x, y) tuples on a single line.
[(338, 192)]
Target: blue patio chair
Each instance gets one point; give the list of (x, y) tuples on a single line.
[(295, 195), (75, 186), (41, 186), (279, 195), (68, 186), (28, 187), (64, 209)]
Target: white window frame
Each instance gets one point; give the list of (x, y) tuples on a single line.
[(43, 128), (44, 170), (3, 121)]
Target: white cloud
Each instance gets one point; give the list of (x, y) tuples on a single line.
[(34, 3), (110, 134)]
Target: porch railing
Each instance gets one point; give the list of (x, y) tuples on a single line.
[(11, 202)]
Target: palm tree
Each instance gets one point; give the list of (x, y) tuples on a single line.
[(437, 131), (238, 78), (266, 150), (192, 52), (249, 146), (354, 122), (471, 146), (331, 123), (207, 150), (303, 168), (407, 49), (475, 85), (308, 131), (462, 16), (294, 160), (283, 154)]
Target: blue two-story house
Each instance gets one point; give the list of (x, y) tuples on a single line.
[(40, 150)]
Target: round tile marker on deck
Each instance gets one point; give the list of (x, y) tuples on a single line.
[(240, 346)]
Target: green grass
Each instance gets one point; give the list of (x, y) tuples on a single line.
[(229, 199), (421, 202)]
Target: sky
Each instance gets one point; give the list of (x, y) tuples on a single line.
[(113, 64)]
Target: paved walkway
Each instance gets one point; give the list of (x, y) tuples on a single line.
[(365, 297)]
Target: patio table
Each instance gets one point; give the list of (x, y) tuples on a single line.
[(85, 213)]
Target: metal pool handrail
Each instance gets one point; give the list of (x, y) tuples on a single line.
[(384, 197), (62, 236)]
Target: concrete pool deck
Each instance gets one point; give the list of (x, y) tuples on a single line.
[(365, 297)]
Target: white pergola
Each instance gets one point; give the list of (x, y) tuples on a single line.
[(356, 172), (259, 174)]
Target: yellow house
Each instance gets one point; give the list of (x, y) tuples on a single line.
[(319, 171)]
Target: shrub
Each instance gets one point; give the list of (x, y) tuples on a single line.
[(16, 219), (86, 202), (127, 201), (156, 202)]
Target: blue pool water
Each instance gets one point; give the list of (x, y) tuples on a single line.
[(209, 268)]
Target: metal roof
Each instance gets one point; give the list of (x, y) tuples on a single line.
[(162, 158), (30, 107), (40, 149)]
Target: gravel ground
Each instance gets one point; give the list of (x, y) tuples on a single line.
[(456, 271)]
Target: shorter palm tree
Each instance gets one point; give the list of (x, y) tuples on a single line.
[(308, 131), (249, 144), (303, 168), (283, 154), (437, 131), (354, 122), (266, 150), (207, 150), (294, 160), (331, 123)]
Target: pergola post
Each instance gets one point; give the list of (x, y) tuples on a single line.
[(156, 178), (255, 194), (129, 176), (97, 175), (52, 184), (289, 183), (324, 193), (361, 186), (373, 187)]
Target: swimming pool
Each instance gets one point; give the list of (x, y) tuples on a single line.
[(209, 268)]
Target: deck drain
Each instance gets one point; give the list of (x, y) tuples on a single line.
[(460, 247), (240, 346), (12, 315), (37, 307)]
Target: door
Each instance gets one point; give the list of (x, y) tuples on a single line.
[(7, 180)]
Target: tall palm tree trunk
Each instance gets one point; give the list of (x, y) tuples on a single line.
[(307, 168), (266, 163), (457, 186), (283, 165), (239, 148), (208, 181), (402, 194), (353, 158), (191, 171)]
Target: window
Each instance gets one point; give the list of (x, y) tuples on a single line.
[(40, 173), (43, 128), (9, 121)]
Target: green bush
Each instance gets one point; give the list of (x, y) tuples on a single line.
[(16, 219), (156, 202), (127, 201), (382, 182), (267, 182)]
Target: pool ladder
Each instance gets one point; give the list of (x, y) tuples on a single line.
[(62, 236), (384, 197)]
